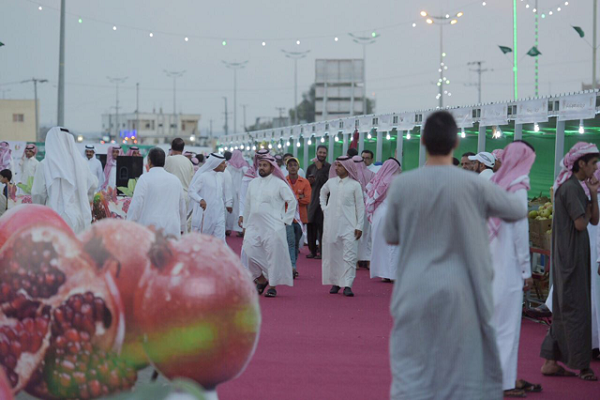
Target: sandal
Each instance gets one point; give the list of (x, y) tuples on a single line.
[(271, 293), (561, 372), (296, 274), (260, 287), (528, 386), (588, 375), (515, 393)]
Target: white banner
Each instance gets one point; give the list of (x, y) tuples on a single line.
[(384, 123), (406, 122), (366, 123), (529, 112), (349, 125), (463, 117), (320, 129), (494, 114), (577, 107)]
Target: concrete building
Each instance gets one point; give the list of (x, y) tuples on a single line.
[(339, 89), (17, 120), (151, 128)]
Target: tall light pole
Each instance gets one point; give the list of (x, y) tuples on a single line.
[(442, 20), (61, 67), (37, 123), (226, 117), (480, 72), (116, 81), (594, 44), (364, 41), (235, 66), (174, 75), (295, 55)]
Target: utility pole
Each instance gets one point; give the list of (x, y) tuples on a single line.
[(137, 108), (594, 45), (244, 108), (536, 44), (479, 72), (37, 123), (295, 55), (116, 81), (174, 75), (281, 111), (226, 117), (210, 130), (61, 68), (235, 66), (364, 41)]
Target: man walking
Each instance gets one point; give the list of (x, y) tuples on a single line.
[(314, 229), (344, 221), (302, 191), (437, 272), (158, 199), (94, 164), (270, 207)]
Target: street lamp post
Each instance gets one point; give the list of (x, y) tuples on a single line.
[(295, 55), (364, 41), (116, 81), (61, 67), (174, 75), (235, 66), (37, 123), (442, 20)]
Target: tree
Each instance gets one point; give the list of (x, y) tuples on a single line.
[(259, 126)]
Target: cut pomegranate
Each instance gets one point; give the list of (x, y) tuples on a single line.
[(123, 248), (25, 215), (48, 287), (199, 313), (5, 387)]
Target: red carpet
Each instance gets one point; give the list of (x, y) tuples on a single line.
[(314, 345)]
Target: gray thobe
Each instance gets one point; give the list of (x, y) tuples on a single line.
[(569, 338), (443, 343)]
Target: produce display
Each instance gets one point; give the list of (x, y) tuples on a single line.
[(80, 316), (543, 213)]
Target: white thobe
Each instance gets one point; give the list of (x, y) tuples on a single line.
[(486, 174), (208, 187), (183, 169), (112, 178), (96, 170), (365, 243), (384, 259), (265, 220), (510, 258), (227, 182), (344, 213), (159, 201), (243, 192), (237, 176), (27, 170), (374, 168), (67, 208)]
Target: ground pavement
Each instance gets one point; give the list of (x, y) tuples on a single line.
[(314, 345)]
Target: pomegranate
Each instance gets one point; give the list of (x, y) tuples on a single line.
[(52, 303), (5, 388), (199, 312), (25, 215), (122, 248)]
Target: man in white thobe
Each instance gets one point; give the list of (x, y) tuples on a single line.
[(110, 169), (94, 164), (344, 215), (27, 165), (207, 197), (63, 181), (227, 182), (509, 247), (180, 166), (270, 206), (484, 164), (237, 167), (158, 199)]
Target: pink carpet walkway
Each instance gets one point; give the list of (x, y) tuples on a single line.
[(314, 345)]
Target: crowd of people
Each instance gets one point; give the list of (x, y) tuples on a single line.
[(402, 226)]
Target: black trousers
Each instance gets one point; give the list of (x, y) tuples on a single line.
[(314, 232)]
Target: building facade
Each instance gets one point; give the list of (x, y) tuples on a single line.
[(17, 120), (151, 128)]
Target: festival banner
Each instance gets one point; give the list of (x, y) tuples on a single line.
[(532, 111), (494, 114), (463, 117), (577, 107)]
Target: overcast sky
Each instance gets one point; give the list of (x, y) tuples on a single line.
[(402, 66)]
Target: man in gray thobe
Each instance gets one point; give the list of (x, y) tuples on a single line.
[(569, 339), (443, 343)]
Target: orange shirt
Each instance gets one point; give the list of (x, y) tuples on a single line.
[(302, 188)]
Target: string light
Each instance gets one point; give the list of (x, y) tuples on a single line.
[(388, 137), (462, 133), (151, 34), (186, 39), (298, 144), (322, 139), (408, 136), (253, 148), (242, 147), (336, 39), (581, 128), (536, 127), (335, 138), (264, 44), (287, 143), (278, 145), (297, 42), (369, 135), (80, 21), (483, 4), (224, 43), (40, 8), (114, 28), (270, 146)]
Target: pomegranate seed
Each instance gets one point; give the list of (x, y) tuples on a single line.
[(25, 341), (92, 374), (59, 315), (10, 361), (65, 380), (89, 297), (114, 381), (78, 320), (36, 342), (81, 366), (41, 324), (15, 349), (74, 348), (60, 342), (49, 278), (95, 388), (68, 313), (84, 336), (67, 366), (72, 335), (4, 345)]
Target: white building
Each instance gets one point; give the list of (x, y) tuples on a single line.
[(151, 128), (339, 89)]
